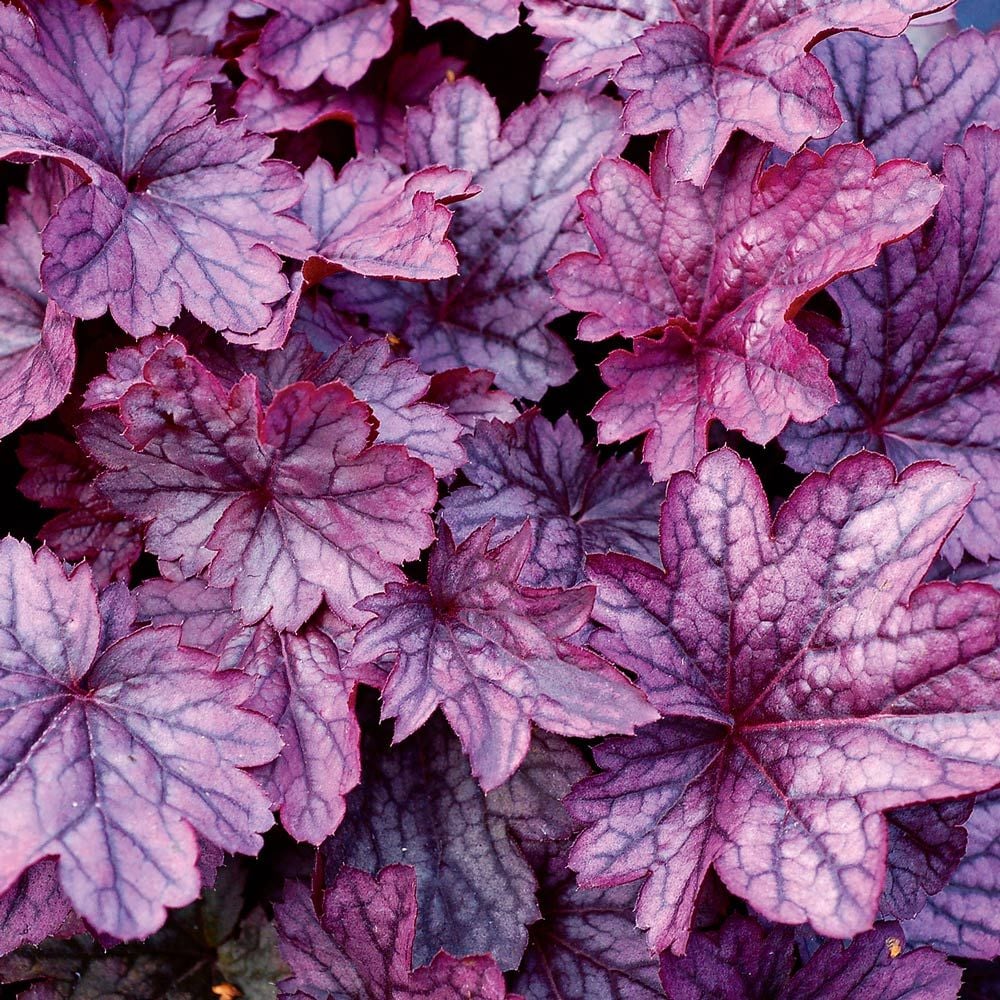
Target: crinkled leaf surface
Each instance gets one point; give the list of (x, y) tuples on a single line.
[(915, 377), (468, 396), (742, 64), (111, 756), (299, 685), (373, 221), (926, 844), (586, 944), (180, 210), (376, 106), (37, 352), (717, 274), (743, 961), (419, 804), (962, 919), (898, 107), (34, 908), (483, 17), (58, 475), (286, 506), (808, 687), (361, 945), (493, 655), (493, 314), (336, 39), (576, 506)]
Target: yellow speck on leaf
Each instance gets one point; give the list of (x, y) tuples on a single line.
[(895, 947)]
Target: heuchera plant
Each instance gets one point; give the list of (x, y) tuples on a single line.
[(501, 502)]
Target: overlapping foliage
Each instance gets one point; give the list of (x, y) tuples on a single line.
[(467, 548)]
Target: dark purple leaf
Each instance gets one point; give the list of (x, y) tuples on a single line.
[(467, 395), (361, 945), (963, 918), (336, 39), (418, 804), (34, 908), (926, 844), (708, 282), (586, 944), (810, 685), (169, 209), (533, 470), (493, 315), (111, 757), (493, 655), (58, 475), (299, 685), (743, 961), (286, 506)]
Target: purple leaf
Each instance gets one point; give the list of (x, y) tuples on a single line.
[(963, 919), (376, 106), (361, 944), (467, 395), (493, 315), (915, 377), (175, 198), (374, 221), (419, 804), (586, 944), (207, 19), (58, 475), (483, 17), (37, 352), (898, 108), (742, 65), (743, 961), (34, 908), (299, 685), (493, 655), (708, 282), (112, 756), (530, 469), (336, 39), (926, 844), (287, 506), (810, 685)]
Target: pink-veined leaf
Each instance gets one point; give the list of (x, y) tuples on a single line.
[(809, 686), (115, 749), (286, 506), (493, 314), (175, 199), (360, 945), (708, 282), (532, 470), (493, 654)]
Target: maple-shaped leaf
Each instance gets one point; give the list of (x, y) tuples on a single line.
[(743, 961), (586, 944), (742, 64), (298, 683), (493, 654), (58, 475), (962, 918), (376, 106), (372, 220), (533, 470), (175, 199), (709, 280), (115, 749), (419, 804), (926, 844), (482, 17), (808, 685), (898, 106), (37, 352), (287, 506), (493, 314), (360, 946), (336, 39), (915, 377), (469, 397)]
